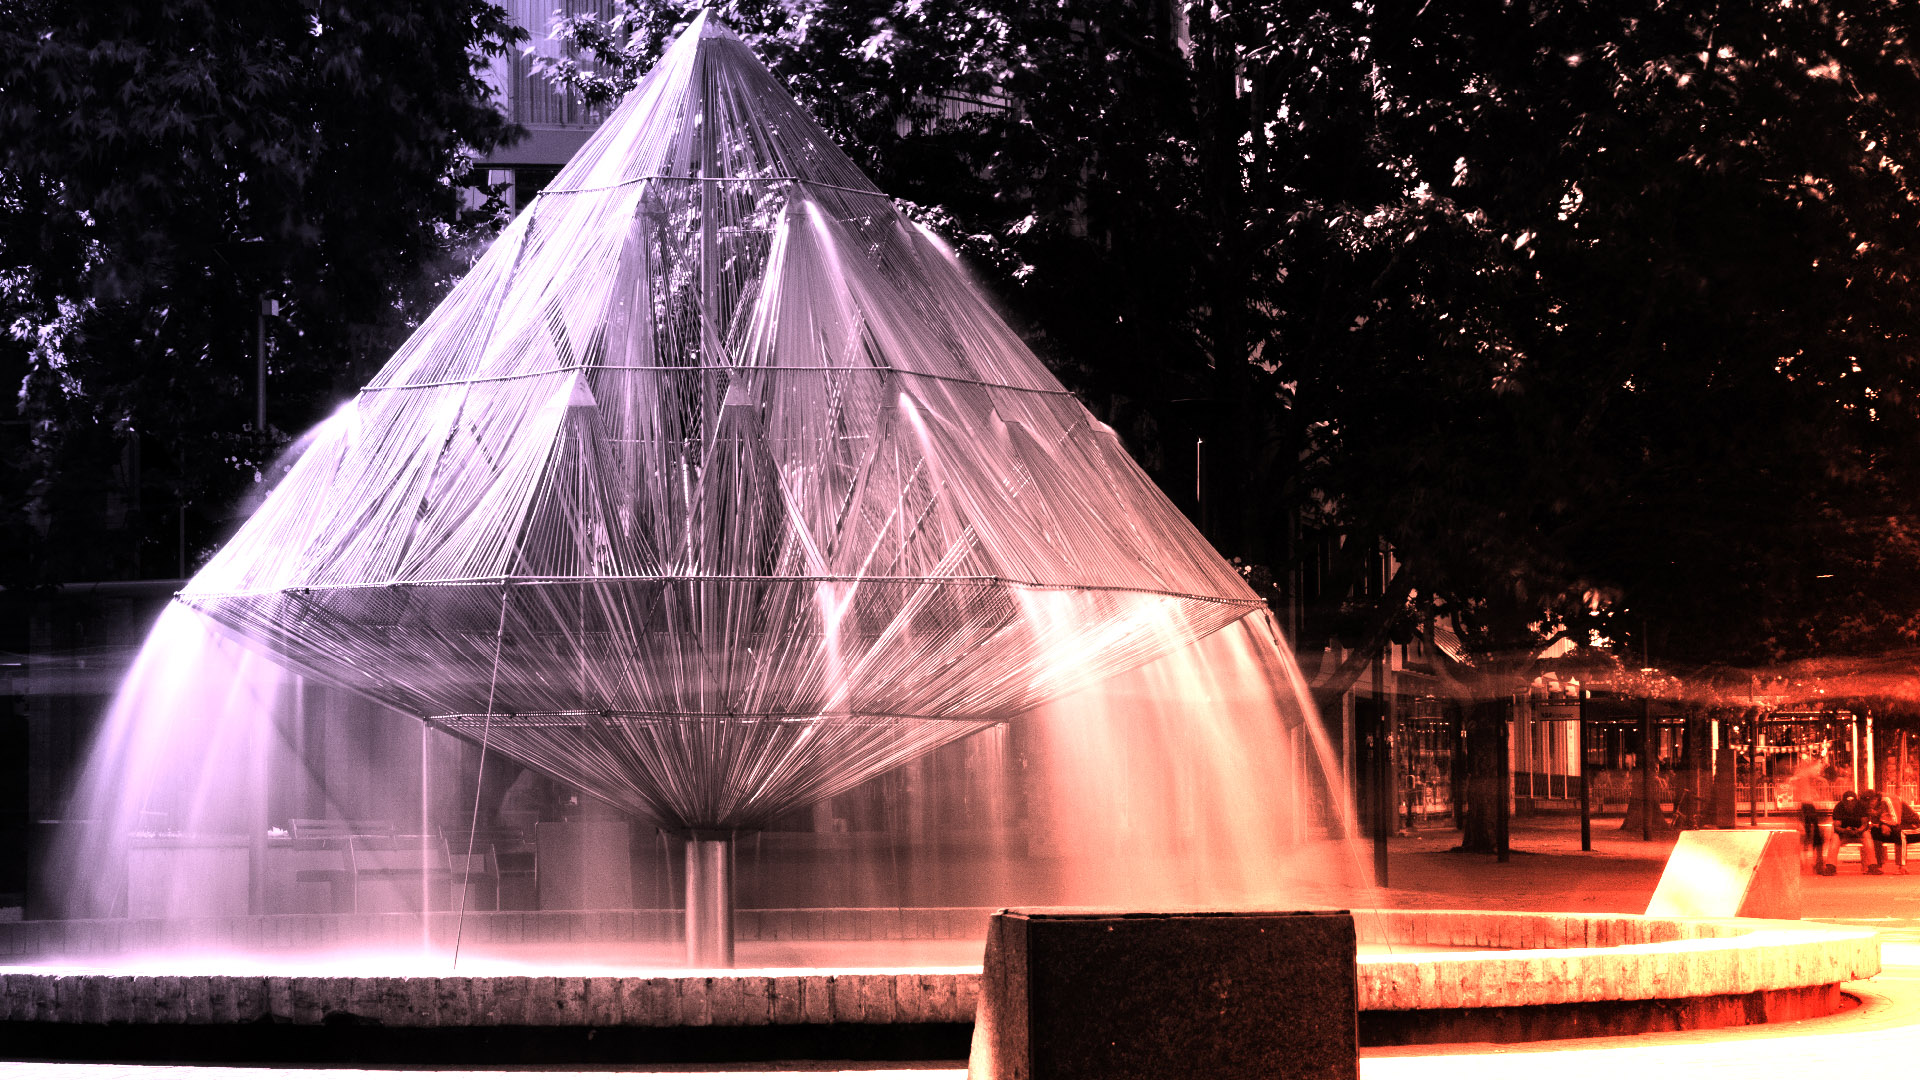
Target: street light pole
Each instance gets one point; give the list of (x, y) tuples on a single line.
[(1586, 804), (1649, 804), (267, 307), (1385, 793)]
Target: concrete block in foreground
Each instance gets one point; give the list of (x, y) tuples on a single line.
[(1106, 995), (1753, 874)]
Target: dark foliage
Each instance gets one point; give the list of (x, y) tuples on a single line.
[(162, 166), (1600, 315)]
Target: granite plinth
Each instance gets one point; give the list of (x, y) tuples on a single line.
[(1068, 995)]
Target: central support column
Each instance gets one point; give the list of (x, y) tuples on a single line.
[(709, 899)]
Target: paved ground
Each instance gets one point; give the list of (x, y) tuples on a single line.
[(1547, 872)]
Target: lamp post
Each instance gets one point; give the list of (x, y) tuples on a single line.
[(268, 307), (1586, 804)]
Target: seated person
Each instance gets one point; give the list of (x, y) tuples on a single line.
[(1883, 822), (1850, 827), (1909, 827), (1891, 820)]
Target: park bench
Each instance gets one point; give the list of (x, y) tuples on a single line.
[(386, 869), (519, 875), (322, 857), (478, 873)]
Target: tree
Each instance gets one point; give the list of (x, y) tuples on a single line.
[(1633, 356), (1662, 275), (1599, 317), (1430, 246), (164, 166)]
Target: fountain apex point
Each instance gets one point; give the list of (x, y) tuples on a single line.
[(706, 24)]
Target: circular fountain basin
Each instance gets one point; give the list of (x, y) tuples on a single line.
[(1423, 977), (1487, 976)]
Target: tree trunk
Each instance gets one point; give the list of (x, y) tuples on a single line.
[(1331, 709), (1482, 821), (1635, 820), (1693, 804)]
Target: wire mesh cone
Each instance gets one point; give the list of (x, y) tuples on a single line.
[(716, 487)]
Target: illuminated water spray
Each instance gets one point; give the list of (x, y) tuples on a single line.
[(715, 489)]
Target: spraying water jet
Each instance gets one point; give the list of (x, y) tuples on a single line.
[(715, 489)]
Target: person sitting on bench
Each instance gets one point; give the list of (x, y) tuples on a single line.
[(1850, 827), (1894, 821)]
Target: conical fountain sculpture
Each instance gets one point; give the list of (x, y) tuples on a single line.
[(714, 489)]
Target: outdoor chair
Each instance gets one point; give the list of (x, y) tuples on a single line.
[(1902, 838), (519, 876), (475, 881), (323, 860), (334, 828), (326, 857), (388, 869)]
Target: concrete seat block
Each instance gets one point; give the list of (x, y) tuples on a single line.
[(1076, 994), (1731, 874)]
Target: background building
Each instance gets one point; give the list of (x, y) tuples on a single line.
[(557, 124)]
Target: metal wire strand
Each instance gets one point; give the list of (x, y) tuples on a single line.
[(473, 822)]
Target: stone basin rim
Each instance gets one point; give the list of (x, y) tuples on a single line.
[(1556, 958), (1544, 959)]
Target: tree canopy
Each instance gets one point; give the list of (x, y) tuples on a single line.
[(1639, 354), (1599, 315), (165, 165)]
